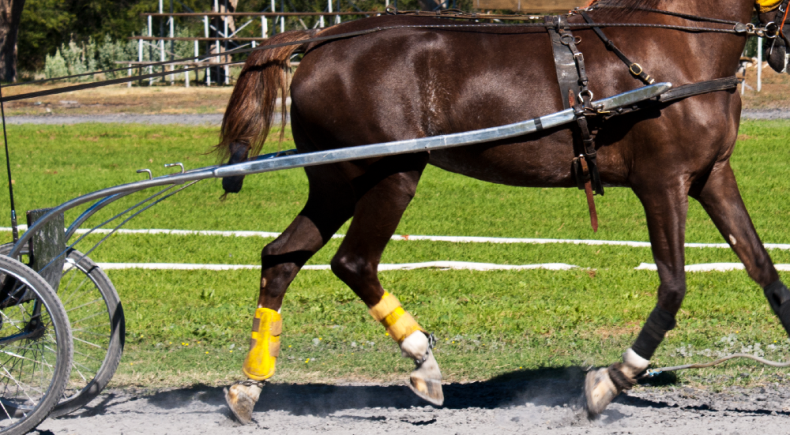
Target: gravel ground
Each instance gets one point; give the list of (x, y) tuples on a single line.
[(545, 406), (216, 119)]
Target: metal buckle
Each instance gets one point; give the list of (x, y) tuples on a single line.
[(583, 93), (771, 30), (633, 70)]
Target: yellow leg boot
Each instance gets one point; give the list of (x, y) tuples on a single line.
[(259, 364), (426, 379)]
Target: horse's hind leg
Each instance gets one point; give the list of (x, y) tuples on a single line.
[(665, 206), (385, 192), (329, 205), (720, 197)]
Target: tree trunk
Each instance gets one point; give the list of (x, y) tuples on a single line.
[(10, 15)]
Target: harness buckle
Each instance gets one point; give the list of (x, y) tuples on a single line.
[(771, 30), (584, 93), (635, 69), (599, 110)]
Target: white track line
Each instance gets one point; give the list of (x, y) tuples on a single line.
[(442, 265), (712, 267), (450, 239)]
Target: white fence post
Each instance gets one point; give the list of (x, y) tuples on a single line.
[(162, 57), (264, 27), (150, 33), (197, 53), (759, 64), (226, 59), (208, 69), (172, 44)]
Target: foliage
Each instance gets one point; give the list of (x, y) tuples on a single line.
[(74, 58), (111, 51), (48, 24), (55, 66)]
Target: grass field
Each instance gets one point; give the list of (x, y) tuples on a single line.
[(186, 327)]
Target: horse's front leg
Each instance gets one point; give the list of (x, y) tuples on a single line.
[(720, 197), (665, 209)]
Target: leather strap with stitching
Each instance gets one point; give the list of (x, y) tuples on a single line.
[(635, 69), (706, 87)]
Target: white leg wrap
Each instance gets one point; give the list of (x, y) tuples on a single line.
[(633, 364), (415, 346)]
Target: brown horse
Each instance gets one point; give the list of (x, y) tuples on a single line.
[(417, 82)]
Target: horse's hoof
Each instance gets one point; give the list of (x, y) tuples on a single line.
[(426, 381), (599, 391), (429, 390), (241, 399)]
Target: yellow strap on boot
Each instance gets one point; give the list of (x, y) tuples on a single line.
[(764, 6), (264, 345), (399, 323)]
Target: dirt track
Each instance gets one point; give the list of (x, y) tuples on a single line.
[(549, 405)]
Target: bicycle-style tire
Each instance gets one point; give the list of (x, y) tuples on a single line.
[(22, 412), (87, 381)]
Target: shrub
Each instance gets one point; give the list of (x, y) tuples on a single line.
[(55, 66)]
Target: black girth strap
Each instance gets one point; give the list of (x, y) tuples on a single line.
[(567, 75), (635, 69), (574, 93)]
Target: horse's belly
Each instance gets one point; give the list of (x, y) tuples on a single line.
[(511, 164)]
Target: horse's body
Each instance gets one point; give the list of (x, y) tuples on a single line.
[(410, 83)]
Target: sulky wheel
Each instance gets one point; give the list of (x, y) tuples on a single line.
[(35, 348), (97, 324)]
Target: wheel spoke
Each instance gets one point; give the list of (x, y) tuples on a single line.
[(88, 343), (19, 356), (84, 305)]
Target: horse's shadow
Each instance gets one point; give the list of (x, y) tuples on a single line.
[(543, 386)]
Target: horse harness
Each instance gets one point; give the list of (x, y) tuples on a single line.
[(575, 93)]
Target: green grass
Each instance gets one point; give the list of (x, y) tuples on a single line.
[(52, 164), (489, 323)]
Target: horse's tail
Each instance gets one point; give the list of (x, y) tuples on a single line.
[(250, 111)]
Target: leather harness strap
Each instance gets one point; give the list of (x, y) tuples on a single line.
[(700, 88), (567, 75), (572, 79), (575, 94), (635, 69)]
